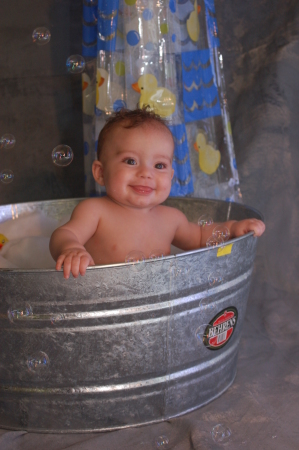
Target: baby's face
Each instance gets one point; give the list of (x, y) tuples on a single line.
[(136, 166)]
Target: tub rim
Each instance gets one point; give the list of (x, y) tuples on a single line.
[(147, 261)]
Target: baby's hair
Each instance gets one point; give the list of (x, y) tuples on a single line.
[(129, 119)]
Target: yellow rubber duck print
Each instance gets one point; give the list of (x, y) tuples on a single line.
[(161, 100), (101, 91), (107, 91), (3, 240), (193, 28), (88, 95), (208, 156)]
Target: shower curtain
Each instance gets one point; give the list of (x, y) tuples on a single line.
[(165, 54)]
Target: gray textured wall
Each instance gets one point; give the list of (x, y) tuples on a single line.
[(40, 102), (261, 54)]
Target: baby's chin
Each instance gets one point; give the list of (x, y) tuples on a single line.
[(140, 202)]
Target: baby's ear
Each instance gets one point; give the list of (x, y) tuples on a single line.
[(98, 172)]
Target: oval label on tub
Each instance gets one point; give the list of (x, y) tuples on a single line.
[(221, 328)]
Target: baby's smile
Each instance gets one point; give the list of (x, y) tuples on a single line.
[(145, 190)]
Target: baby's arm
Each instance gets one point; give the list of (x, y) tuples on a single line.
[(67, 242), (189, 236)]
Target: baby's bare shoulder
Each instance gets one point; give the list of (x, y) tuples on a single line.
[(171, 213), (90, 206)]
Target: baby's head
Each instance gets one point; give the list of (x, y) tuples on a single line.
[(135, 151), (130, 119)]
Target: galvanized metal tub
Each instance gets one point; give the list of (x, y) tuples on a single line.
[(120, 346)]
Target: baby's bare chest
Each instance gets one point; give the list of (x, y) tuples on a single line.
[(117, 236)]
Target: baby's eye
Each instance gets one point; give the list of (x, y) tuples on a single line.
[(130, 161), (160, 166)]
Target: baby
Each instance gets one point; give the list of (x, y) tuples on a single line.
[(135, 151)]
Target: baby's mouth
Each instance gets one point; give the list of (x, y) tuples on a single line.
[(142, 189)]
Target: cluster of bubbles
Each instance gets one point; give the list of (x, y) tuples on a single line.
[(18, 312), (220, 433), (62, 155), (137, 258), (162, 442), (7, 142), (220, 233), (38, 363)]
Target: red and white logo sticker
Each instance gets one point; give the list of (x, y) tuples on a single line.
[(220, 329)]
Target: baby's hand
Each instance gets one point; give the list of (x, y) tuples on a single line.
[(75, 261), (242, 227)]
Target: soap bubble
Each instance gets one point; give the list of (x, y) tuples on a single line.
[(215, 279), (6, 176), (222, 232), (156, 254), (212, 241), (137, 258), (38, 363), (162, 442), (41, 35), (57, 318), (179, 269), (7, 141), (200, 332), (220, 433), (205, 220), (75, 64), (16, 312), (62, 155)]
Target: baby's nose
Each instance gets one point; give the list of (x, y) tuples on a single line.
[(145, 171)]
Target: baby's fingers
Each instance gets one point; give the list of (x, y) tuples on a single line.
[(85, 261), (257, 226), (69, 266), (59, 262)]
